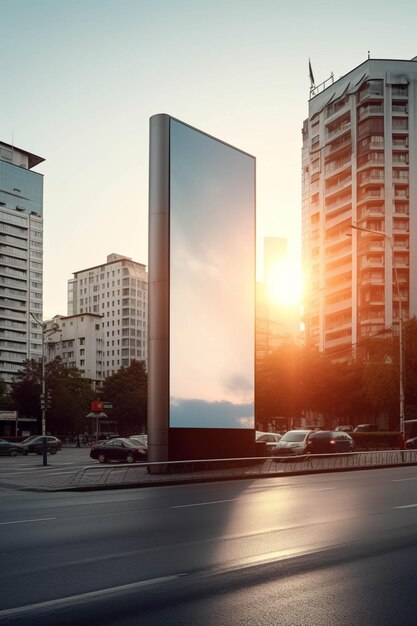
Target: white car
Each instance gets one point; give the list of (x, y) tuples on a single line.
[(294, 442), (270, 439)]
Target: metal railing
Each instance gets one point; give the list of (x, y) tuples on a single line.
[(212, 469)]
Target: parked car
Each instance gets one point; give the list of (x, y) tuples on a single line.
[(10, 448), (35, 444), (411, 444), (329, 442), (293, 443), (366, 428), (140, 440), (410, 427), (270, 440), (345, 428), (119, 449)]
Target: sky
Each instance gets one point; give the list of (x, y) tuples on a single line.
[(80, 80)]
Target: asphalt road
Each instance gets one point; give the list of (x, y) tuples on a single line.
[(28, 471), (322, 549)]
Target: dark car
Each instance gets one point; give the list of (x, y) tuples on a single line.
[(366, 428), (293, 443), (346, 428), (329, 442), (35, 444), (118, 450), (10, 448)]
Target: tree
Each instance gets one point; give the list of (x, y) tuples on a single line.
[(6, 403), (127, 392), (70, 394), (410, 367)]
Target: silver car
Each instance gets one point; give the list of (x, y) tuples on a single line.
[(293, 443)]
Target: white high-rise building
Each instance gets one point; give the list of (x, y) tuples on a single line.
[(78, 341), (117, 290), (359, 167), (21, 259)]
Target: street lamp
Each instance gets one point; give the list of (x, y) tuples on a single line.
[(400, 324), (43, 395)]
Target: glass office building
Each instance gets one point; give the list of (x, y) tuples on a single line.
[(21, 259)]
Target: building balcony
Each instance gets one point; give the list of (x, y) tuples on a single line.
[(371, 110), (14, 252), (339, 253), (339, 341), (335, 327), (344, 283), (399, 109), (344, 216), (12, 357), (339, 270), (371, 194), (338, 132), (337, 202), (336, 146), (12, 315), (371, 91), (340, 184), (372, 159), (371, 177), (342, 305), (401, 193)]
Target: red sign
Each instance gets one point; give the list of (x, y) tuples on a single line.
[(97, 405)]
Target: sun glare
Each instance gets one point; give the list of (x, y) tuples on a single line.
[(284, 284)]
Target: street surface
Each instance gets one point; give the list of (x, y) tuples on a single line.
[(28, 471), (321, 549)]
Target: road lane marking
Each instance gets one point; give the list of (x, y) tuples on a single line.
[(406, 506), (27, 521), (400, 480), (183, 506), (89, 595)]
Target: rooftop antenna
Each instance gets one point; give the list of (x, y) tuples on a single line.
[(369, 54), (310, 72), (311, 75)]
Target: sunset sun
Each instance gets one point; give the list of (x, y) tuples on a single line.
[(284, 284)]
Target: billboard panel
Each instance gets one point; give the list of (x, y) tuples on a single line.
[(212, 281)]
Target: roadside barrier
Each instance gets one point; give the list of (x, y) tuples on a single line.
[(219, 469)]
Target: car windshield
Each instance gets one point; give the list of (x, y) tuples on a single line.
[(323, 435), (294, 436), (31, 438)]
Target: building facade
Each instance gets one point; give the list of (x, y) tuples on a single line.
[(78, 341), (359, 167), (118, 291), (21, 259)]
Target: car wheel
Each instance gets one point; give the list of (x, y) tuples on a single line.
[(130, 458), (53, 450), (13, 452), (101, 458)]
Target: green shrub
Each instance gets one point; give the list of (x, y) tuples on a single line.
[(376, 441)]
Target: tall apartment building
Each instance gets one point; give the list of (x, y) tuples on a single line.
[(21, 262), (78, 341), (117, 290), (359, 166)]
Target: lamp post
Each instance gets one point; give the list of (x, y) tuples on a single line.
[(43, 394), (400, 323)]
